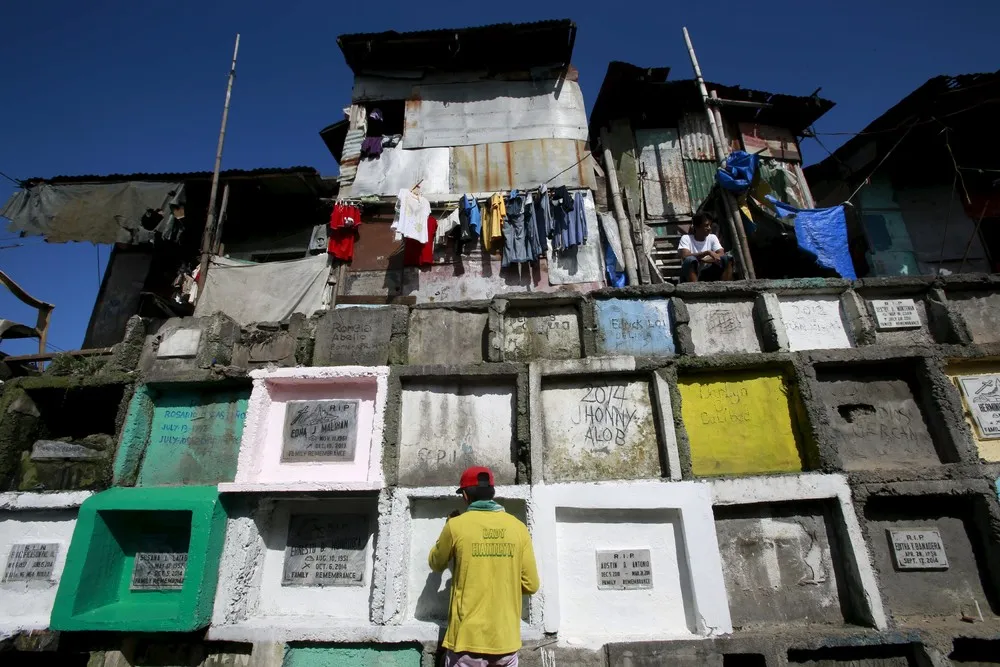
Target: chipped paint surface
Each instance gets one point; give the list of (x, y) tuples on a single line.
[(634, 327)]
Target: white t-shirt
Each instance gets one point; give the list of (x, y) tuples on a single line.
[(411, 216), (689, 242)]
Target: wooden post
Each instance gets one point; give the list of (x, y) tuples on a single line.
[(731, 215), (207, 236), (732, 209), (623, 225), (217, 243)]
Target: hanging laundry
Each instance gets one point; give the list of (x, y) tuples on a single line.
[(562, 194), (493, 221), (371, 146), (344, 223), (570, 223), (445, 227), (412, 211), (515, 237), (531, 228), (543, 218), (421, 254), (470, 220)]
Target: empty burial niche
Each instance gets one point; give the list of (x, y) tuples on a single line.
[(877, 416), (886, 655), (979, 312), (975, 652), (623, 573), (67, 436), (541, 333), (428, 593), (448, 425), (599, 428), (929, 554), (783, 564), (743, 660)]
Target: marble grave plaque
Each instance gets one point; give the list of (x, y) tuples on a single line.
[(896, 314), (627, 569), (323, 431), (31, 562), (918, 549), (159, 571), (326, 550), (982, 395)]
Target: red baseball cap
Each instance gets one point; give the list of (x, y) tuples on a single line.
[(471, 478)]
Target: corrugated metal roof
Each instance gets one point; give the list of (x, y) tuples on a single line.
[(700, 175), (501, 46), (488, 112), (696, 137), (521, 164)]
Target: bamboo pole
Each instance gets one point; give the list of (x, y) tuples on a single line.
[(624, 230), (734, 223), (207, 236), (732, 210), (222, 220)]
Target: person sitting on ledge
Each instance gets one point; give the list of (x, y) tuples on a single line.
[(702, 255)]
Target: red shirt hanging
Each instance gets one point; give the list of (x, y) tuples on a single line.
[(416, 253), (344, 222)]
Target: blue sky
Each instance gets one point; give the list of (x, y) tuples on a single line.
[(117, 87)]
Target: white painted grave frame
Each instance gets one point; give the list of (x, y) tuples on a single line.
[(691, 500)]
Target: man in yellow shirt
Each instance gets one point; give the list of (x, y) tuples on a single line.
[(494, 567)]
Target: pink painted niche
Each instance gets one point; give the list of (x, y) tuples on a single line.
[(350, 402)]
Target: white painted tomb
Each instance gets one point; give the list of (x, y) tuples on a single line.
[(313, 429)]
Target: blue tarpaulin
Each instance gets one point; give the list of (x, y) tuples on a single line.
[(738, 173), (823, 233)]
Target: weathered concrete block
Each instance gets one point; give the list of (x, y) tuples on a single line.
[(599, 428), (656, 654), (875, 418), (191, 346), (374, 655), (942, 592), (634, 327), (981, 313), (447, 426), (899, 321), (779, 564), (541, 333), (443, 336), (353, 336), (814, 322), (723, 326), (739, 423), (886, 655)]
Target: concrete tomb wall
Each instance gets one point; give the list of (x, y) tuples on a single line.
[(314, 428), (188, 348), (334, 655), (358, 336), (542, 333), (182, 434), (875, 415), (443, 336), (898, 320), (35, 533), (599, 428), (979, 311), (739, 423), (814, 322), (448, 425), (946, 575), (718, 327), (641, 327)]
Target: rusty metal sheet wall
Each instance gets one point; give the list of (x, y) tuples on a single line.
[(486, 112), (351, 156), (696, 137), (768, 141), (521, 164), (700, 176), (664, 185)]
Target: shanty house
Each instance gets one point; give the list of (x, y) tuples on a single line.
[(661, 144), (924, 181), (466, 111)]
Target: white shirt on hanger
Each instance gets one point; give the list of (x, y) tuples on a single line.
[(412, 212)]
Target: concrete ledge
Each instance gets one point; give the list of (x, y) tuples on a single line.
[(59, 500), (318, 630)]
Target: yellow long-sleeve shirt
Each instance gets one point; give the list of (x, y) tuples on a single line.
[(494, 567)]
